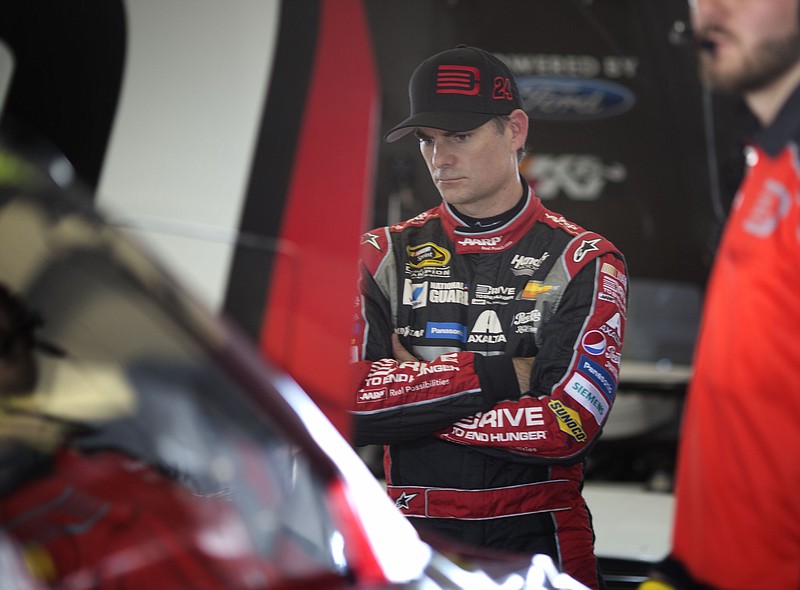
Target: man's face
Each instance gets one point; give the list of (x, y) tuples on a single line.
[(471, 168), (754, 41)]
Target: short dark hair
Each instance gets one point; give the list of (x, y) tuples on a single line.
[(500, 123)]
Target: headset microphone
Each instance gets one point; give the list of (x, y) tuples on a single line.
[(681, 34)]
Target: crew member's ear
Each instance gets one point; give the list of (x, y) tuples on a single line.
[(518, 123)]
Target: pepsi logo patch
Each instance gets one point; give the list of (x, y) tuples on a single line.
[(594, 342)]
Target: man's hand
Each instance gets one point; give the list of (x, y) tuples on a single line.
[(400, 353), (523, 365)]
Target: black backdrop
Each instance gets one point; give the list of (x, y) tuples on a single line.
[(619, 130), (66, 83), (618, 136)]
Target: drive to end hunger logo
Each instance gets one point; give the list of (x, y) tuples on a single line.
[(594, 342)]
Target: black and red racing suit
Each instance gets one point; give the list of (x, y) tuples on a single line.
[(465, 453)]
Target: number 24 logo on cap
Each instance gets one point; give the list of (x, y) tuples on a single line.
[(502, 89)]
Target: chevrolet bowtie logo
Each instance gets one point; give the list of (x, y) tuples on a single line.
[(403, 500)]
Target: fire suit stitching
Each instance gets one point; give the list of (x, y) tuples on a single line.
[(494, 517), (451, 489), (558, 275), (427, 513), (365, 337), (386, 268), (559, 557)]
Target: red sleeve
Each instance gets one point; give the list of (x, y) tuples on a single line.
[(400, 401), (561, 422)]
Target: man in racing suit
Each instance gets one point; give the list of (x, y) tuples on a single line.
[(737, 515), (484, 444)]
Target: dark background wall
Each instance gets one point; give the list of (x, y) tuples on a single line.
[(641, 172), (637, 172), (64, 90)]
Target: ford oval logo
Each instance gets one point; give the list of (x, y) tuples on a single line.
[(572, 99)]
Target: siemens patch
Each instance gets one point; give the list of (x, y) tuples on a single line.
[(587, 395)]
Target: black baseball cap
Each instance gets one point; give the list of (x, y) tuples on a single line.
[(458, 90)]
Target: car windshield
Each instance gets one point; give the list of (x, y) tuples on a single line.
[(129, 367)]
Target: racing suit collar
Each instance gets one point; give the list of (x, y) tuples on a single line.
[(785, 127), (471, 240)]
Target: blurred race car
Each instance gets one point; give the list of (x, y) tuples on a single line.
[(147, 439)]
